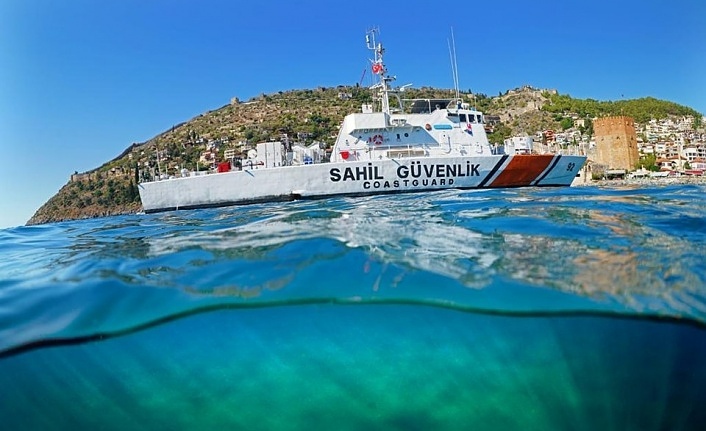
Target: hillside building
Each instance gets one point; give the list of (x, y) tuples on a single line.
[(616, 142)]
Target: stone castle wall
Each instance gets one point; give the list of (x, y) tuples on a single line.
[(616, 142)]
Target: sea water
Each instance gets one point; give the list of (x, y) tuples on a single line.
[(572, 308)]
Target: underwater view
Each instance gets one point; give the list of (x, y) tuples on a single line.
[(573, 308)]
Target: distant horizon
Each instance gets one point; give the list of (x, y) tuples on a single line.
[(84, 80)]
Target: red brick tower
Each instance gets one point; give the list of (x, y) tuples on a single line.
[(616, 142)]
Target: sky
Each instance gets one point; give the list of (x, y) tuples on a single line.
[(81, 80)]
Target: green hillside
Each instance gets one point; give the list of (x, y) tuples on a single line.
[(642, 110)]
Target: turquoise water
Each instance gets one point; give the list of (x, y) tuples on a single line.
[(579, 308)]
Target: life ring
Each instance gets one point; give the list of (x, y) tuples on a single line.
[(377, 139), (427, 126)]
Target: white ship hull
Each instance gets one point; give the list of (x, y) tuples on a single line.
[(358, 178), (422, 145)]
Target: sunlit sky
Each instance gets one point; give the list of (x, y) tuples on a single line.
[(80, 80)]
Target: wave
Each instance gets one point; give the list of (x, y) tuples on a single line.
[(103, 336), (628, 251)]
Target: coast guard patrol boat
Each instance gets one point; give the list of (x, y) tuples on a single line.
[(420, 145)]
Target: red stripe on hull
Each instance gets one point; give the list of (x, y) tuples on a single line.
[(522, 170)]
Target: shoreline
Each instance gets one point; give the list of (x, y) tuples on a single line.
[(645, 181)]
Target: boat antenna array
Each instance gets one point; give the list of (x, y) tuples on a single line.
[(378, 68)]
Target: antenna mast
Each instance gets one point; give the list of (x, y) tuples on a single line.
[(454, 63), (378, 68)]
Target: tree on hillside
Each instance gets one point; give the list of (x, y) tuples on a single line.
[(566, 123), (649, 162), (642, 110), (500, 133), (587, 128)]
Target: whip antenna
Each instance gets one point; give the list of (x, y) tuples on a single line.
[(454, 63)]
